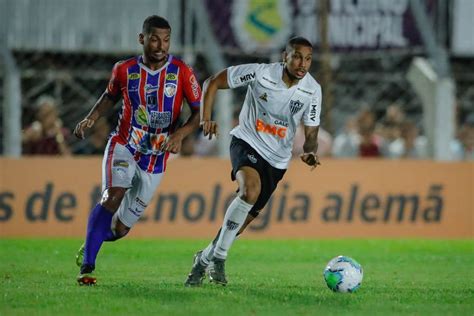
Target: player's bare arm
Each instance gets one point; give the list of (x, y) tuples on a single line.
[(310, 146), (209, 91), (174, 141), (101, 107)]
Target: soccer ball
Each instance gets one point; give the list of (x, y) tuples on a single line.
[(343, 274)]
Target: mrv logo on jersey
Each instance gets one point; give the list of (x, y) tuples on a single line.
[(247, 77)]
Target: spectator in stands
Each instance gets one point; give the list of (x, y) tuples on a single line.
[(389, 127), (410, 144), (370, 143), (463, 147), (346, 144), (96, 142), (46, 135)]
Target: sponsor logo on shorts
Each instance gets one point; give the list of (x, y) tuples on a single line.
[(252, 158), (271, 129), (140, 202), (120, 163), (231, 225), (137, 212), (295, 106)]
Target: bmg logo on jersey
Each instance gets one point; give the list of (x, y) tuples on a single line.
[(271, 129), (295, 106)]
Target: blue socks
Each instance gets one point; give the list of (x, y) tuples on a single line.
[(98, 231)]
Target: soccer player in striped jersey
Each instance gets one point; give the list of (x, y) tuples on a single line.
[(153, 87), (279, 97)]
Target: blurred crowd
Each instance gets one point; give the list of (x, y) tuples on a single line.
[(393, 136)]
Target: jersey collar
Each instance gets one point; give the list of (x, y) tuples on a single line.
[(154, 72)]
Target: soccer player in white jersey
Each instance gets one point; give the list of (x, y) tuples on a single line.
[(279, 96)]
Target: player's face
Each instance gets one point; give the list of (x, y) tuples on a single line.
[(298, 60), (156, 44)]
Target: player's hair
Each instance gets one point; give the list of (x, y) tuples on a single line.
[(155, 21), (297, 40)]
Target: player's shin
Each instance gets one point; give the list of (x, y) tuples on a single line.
[(233, 221), (98, 230)]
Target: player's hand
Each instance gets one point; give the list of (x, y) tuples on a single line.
[(311, 159), (172, 143), (81, 126), (209, 128)]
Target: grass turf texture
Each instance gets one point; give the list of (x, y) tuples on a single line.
[(145, 277)]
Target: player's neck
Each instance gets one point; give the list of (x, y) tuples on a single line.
[(154, 66), (289, 79)]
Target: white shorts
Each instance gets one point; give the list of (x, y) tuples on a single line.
[(119, 169)]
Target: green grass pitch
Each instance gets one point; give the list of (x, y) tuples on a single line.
[(266, 277)]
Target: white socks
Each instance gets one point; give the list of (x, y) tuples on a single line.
[(233, 220), (207, 253)]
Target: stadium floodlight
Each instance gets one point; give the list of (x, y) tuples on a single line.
[(437, 95)]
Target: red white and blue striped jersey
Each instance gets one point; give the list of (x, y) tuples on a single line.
[(152, 102)]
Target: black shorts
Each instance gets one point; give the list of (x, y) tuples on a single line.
[(242, 154)]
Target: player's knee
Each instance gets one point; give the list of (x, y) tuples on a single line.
[(112, 197), (250, 192)]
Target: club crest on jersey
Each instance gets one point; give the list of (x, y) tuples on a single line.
[(170, 89), (263, 97), (295, 106)]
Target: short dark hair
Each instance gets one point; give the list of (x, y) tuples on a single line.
[(155, 21), (297, 40)]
